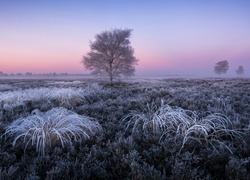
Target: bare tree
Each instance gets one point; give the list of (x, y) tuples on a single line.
[(111, 54), (240, 70), (221, 67)]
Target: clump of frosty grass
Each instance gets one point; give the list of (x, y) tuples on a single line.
[(64, 96), (43, 130), (184, 126)]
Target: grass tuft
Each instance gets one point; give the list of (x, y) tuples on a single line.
[(43, 130), (184, 126), (154, 119)]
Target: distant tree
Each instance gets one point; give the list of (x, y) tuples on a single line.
[(28, 74), (221, 67), (240, 70), (3, 74), (111, 54)]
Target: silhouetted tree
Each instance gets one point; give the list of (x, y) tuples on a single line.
[(221, 67), (28, 74), (3, 74), (240, 70), (111, 54)]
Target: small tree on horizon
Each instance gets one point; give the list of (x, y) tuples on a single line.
[(111, 54), (221, 67), (240, 70)]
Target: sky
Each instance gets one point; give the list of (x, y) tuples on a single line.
[(185, 37)]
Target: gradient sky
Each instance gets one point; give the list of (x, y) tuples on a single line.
[(169, 37)]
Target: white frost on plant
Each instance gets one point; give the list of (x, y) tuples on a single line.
[(66, 97), (43, 130), (184, 126), (5, 87), (66, 83)]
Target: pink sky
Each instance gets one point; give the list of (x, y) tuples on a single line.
[(168, 37)]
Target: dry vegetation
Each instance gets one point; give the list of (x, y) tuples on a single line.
[(155, 129)]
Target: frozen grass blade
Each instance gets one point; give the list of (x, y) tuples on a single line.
[(55, 126), (149, 120), (159, 119), (183, 126)]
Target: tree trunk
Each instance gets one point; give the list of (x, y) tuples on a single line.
[(111, 73), (111, 79)]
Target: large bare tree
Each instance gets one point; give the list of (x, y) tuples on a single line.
[(111, 54), (221, 67)]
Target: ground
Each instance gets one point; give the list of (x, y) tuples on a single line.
[(207, 138)]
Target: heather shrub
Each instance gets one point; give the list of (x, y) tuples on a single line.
[(7, 173), (191, 135), (238, 168)]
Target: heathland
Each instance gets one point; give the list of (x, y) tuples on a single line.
[(175, 128)]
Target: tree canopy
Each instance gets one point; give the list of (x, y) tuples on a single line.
[(221, 67), (111, 54), (240, 70)]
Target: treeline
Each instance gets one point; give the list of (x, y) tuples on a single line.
[(222, 67), (29, 74)]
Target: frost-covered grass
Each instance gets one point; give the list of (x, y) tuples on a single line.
[(214, 130), (65, 96), (5, 87), (156, 119), (183, 126), (191, 135), (65, 83), (46, 98), (43, 130)]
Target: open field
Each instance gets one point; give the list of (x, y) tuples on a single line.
[(173, 128)]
